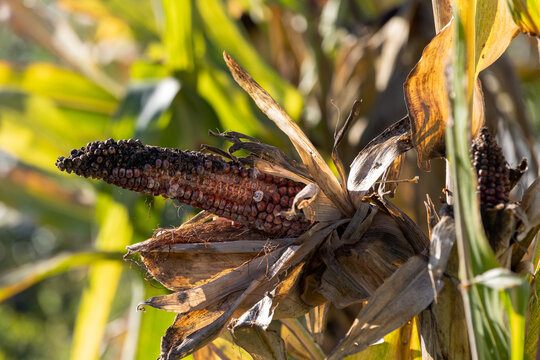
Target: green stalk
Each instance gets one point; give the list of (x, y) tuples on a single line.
[(492, 311)]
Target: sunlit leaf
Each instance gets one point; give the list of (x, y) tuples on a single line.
[(178, 34), (65, 87), (227, 37), (426, 96), (152, 322), (526, 14), (21, 278), (426, 88), (115, 233)]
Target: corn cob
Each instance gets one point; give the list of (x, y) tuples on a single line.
[(206, 181), (491, 170)]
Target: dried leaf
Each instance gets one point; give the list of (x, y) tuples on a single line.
[(315, 205), (442, 241), (316, 322), (355, 270), (338, 137), (250, 332), (183, 333), (500, 226), (530, 205), (308, 153), (179, 345), (442, 13), (431, 212), (196, 253), (376, 157), (494, 31), (202, 296), (412, 231), (443, 326), (406, 293), (264, 152), (426, 88), (426, 96)]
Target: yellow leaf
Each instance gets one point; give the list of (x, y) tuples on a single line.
[(490, 30), (526, 14)]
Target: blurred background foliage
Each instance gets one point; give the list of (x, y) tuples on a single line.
[(75, 71)]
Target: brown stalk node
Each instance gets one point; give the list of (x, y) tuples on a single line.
[(206, 181)]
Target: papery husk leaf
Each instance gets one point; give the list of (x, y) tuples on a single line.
[(406, 293), (276, 170), (299, 341), (530, 205), (389, 181), (442, 242), (443, 326), (308, 153), (517, 172), (187, 324), (416, 237), (376, 157), (359, 223), (266, 282), (354, 271), (202, 296), (338, 137), (288, 300), (197, 252), (250, 332), (260, 344), (431, 213), (316, 322), (315, 205)]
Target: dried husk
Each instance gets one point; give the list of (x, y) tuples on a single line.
[(251, 332), (355, 270), (196, 253), (217, 301), (220, 271)]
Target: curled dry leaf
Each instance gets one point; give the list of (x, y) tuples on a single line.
[(406, 293), (251, 333), (308, 153), (426, 88), (371, 163), (426, 96)]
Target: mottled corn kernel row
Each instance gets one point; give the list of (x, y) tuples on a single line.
[(491, 170), (224, 188)]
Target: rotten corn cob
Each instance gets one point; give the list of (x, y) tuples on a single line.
[(491, 170), (206, 181)]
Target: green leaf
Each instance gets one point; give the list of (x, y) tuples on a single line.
[(114, 235), (228, 100), (526, 14), (17, 280), (65, 87), (225, 36), (153, 323), (177, 34)]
